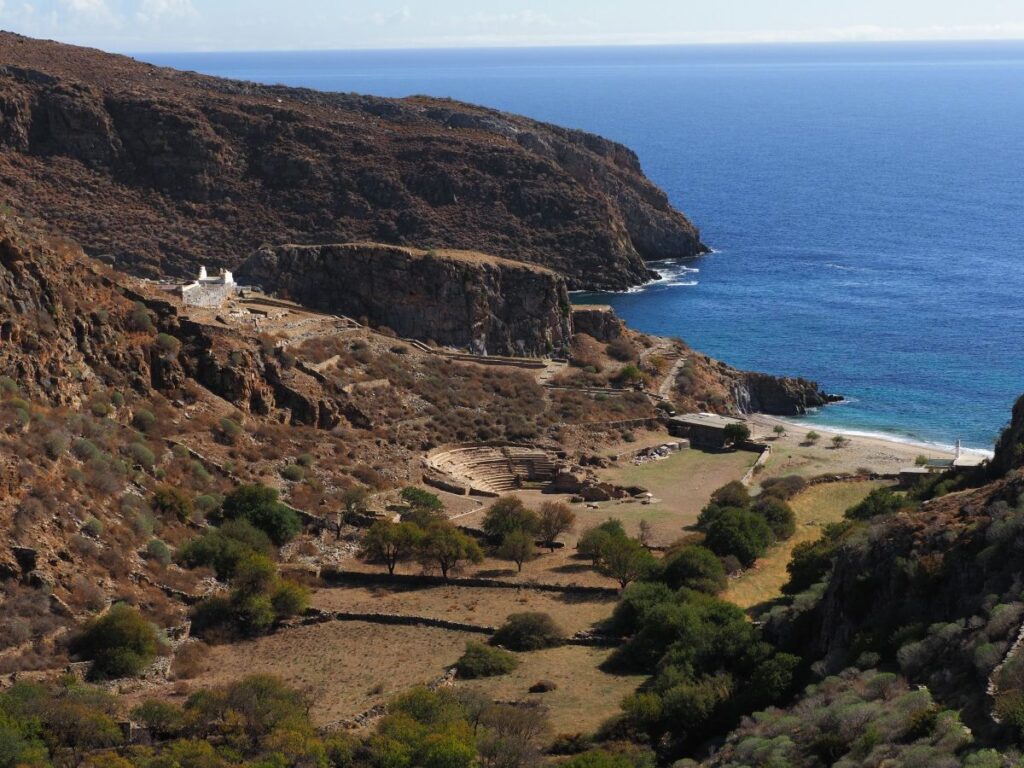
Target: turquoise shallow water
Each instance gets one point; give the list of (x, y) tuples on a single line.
[(865, 202)]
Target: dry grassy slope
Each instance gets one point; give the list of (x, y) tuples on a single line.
[(166, 170)]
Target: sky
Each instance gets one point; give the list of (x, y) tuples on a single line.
[(135, 26)]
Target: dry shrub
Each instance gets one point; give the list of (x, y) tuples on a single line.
[(85, 595)]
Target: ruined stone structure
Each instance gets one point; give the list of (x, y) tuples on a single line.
[(206, 291)]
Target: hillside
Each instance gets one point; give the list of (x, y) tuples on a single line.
[(163, 170)]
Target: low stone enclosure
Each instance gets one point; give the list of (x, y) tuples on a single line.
[(491, 469)]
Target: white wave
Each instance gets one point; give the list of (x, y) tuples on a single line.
[(677, 283)]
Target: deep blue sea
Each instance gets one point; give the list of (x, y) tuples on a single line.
[(865, 202)]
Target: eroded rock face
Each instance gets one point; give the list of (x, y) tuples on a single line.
[(468, 300), (597, 321), (779, 395), (166, 170)]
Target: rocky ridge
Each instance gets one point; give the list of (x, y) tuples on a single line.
[(162, 170)]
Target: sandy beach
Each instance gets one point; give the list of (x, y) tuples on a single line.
[(792, 455)]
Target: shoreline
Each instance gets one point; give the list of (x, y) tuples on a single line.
[(828, 430), (880, 453)]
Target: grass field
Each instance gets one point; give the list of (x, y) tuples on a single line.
[(815, 508), (348, 667), (681, 484), (344, 667), (585, 696), (470, 605)]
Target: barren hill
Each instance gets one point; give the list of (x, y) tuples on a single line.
[(164, 169)]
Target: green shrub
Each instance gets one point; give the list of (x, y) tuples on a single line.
[(694, 567), (158, 551), (208, 503), (306, 460), (167, 345), (529, 631), (881, 501), (120, 642), (140, 320), (778, 514), (171, 501), (230, 430), (293, 472), (93, 528), (164, 719), (741, 533), (811, 561), (259, 505), (481, 660), (143, 419), (289, 598), (732, 494), (141, 455), (222, 548), (84, 449)]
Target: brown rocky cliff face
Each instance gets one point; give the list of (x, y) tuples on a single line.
[(1009, 454), (62, 329), (756, 392), (454, 298), (166, 170)]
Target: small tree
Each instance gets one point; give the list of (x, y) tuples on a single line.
[(390, 543), (812, 437), (445, 546), (424, 507), (518, 547), (591, 543), (779, 430), (839, 442), (736, 433), (507, 515), (556, 518), (625, 560), (732, 494)]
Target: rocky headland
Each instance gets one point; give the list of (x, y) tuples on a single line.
[(161, 170)]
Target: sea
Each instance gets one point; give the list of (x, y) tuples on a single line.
[(864, 202)]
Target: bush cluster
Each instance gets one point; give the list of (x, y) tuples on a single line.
[(120, 643), (736, 524), (481, 660), (710, 665)]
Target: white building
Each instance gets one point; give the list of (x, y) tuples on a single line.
[(206, 291)]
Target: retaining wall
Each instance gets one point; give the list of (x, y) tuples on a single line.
[(337, 577)]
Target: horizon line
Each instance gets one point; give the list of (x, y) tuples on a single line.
[(580, 45)]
